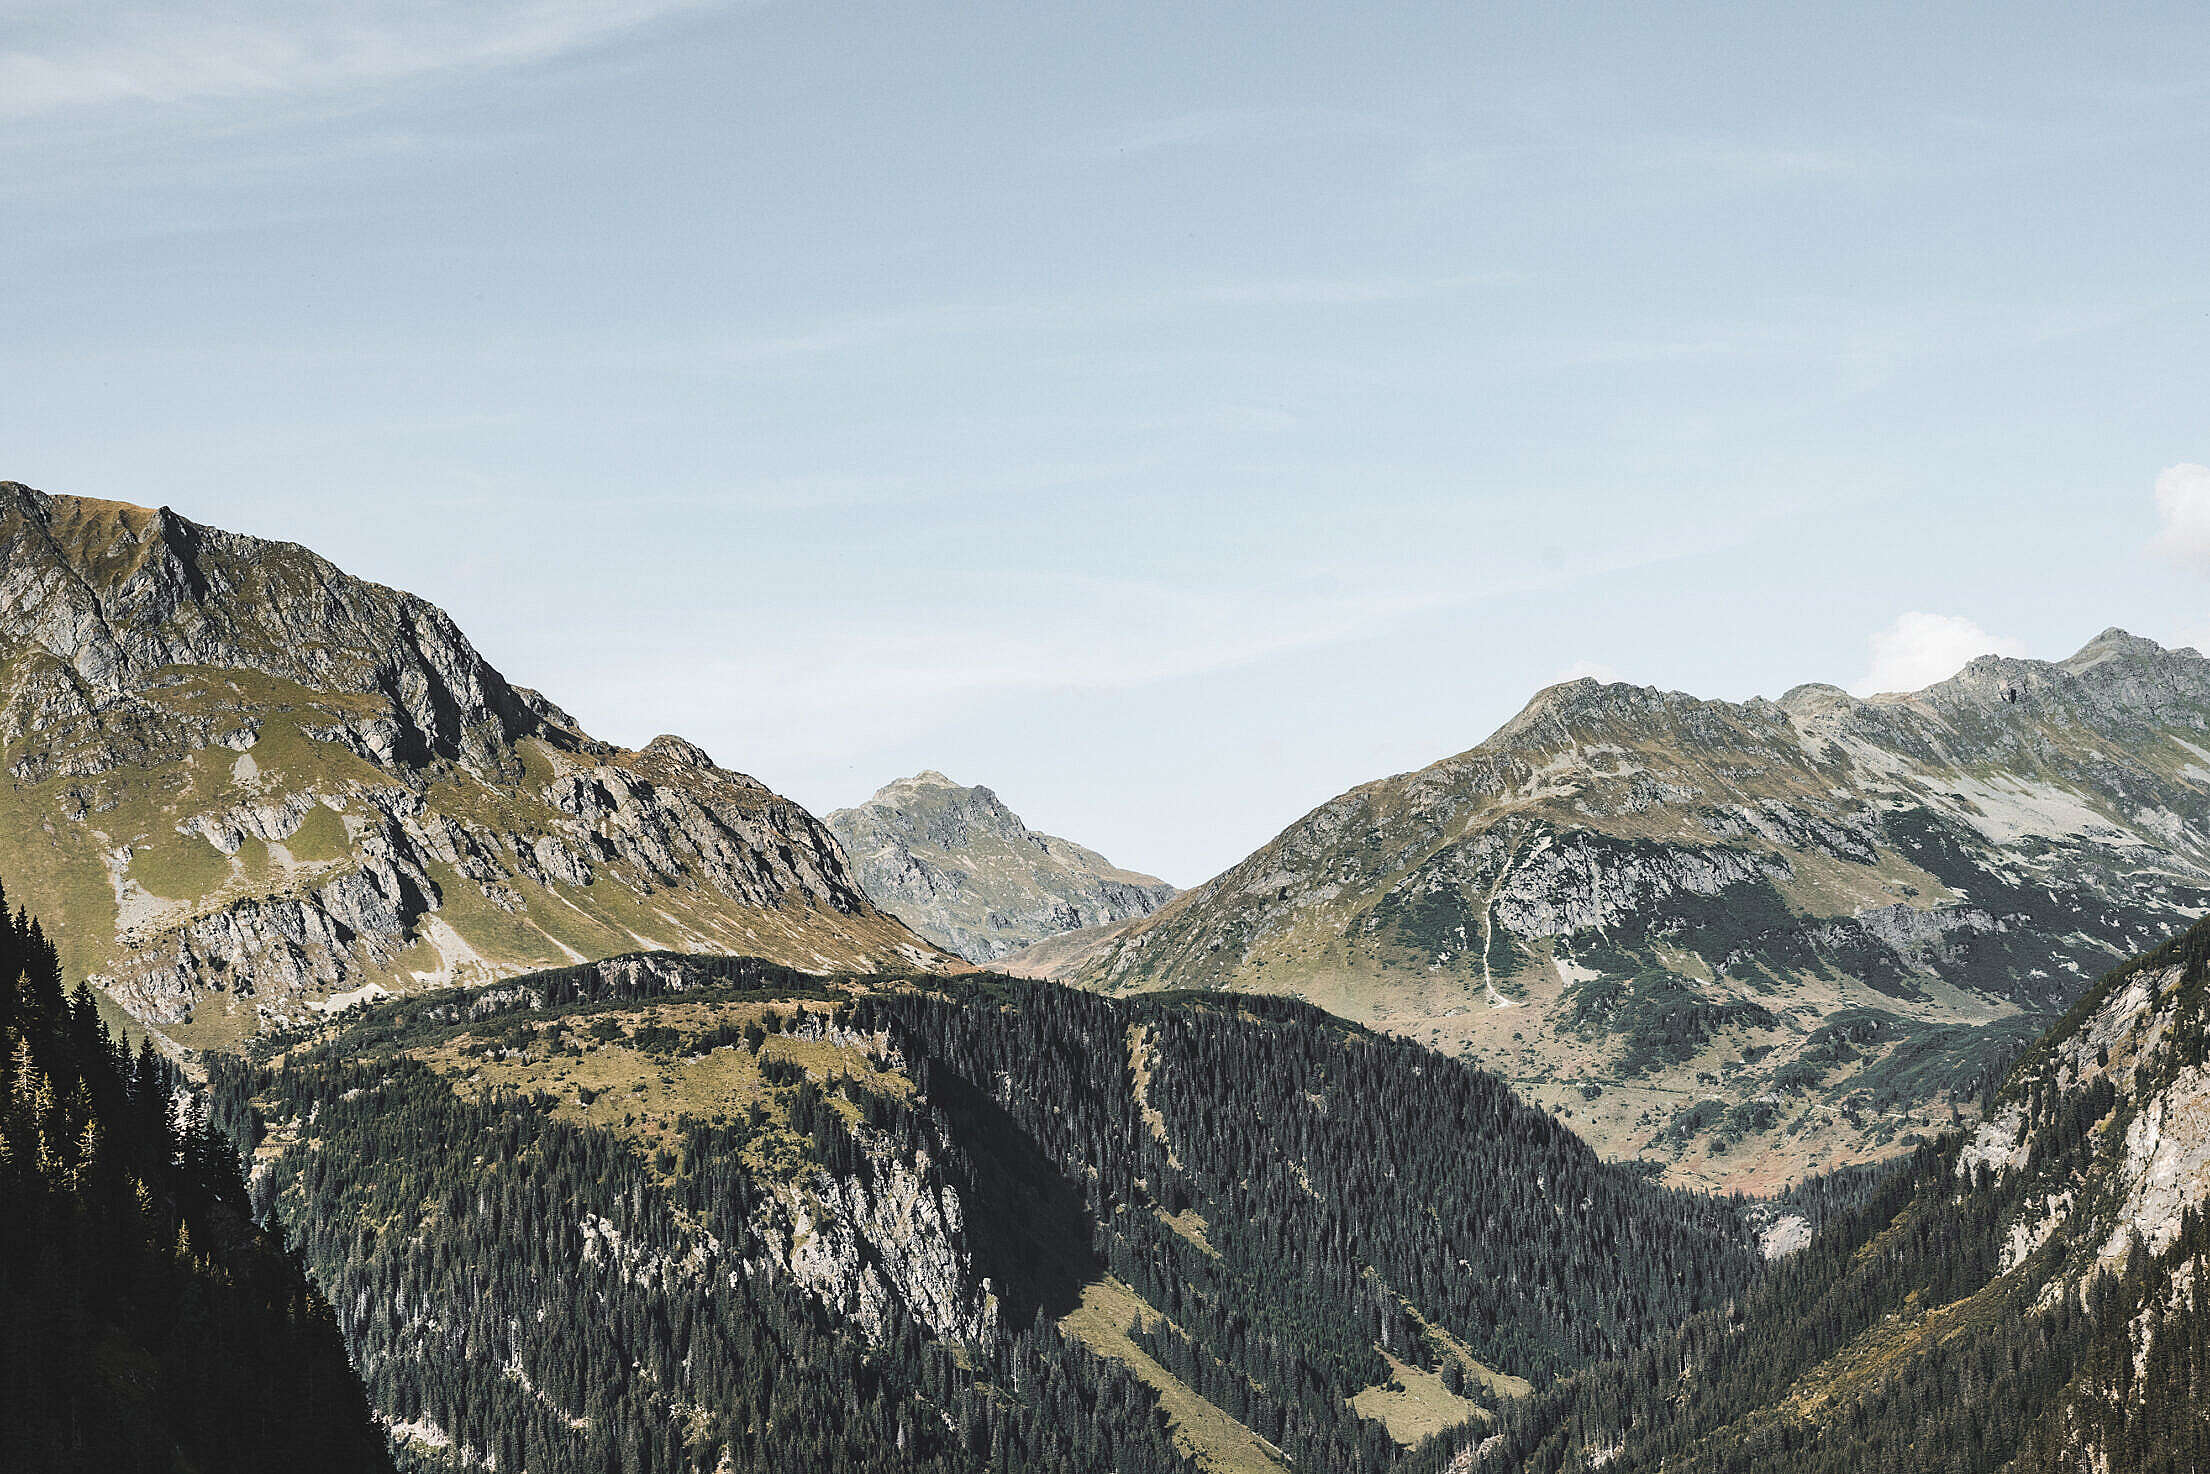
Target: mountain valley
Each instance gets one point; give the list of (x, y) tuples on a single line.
[(609, 1112)]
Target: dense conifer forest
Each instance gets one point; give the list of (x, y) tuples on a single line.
[(1289, 1198), (149, 1325), (1295, 1212)]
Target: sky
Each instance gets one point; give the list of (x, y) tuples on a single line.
[(1169, 416)]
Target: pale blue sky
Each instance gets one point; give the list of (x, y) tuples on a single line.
[(1169, 416)]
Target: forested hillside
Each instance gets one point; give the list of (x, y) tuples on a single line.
[(2027, 1298), (665, 1213), (145, 1322)]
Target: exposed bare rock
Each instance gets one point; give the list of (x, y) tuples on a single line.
[(1741, 940), (315, 783), (960, 868), (894, 1237)]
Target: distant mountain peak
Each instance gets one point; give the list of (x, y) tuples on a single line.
[(2115, 644), (676, 750), (962, 869)]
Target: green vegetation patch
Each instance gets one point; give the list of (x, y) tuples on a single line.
[(1659, 1017)]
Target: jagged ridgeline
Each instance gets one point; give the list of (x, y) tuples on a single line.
[(2029, 1297), (145, 1322), (242, 782), (664, 1213), (1749, 941)]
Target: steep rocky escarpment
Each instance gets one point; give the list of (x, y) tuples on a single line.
[(960, 868), (246, 783), (1745, 941)]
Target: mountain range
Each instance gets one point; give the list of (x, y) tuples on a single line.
[(549, 1106), (1741, 941), (960, 868)]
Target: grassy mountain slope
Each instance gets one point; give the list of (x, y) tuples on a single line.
[(1746, 941), (960, 868), (2026, 1297), (658, 1207), (242, 782)]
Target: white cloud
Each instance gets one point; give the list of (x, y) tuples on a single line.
[(1920, 649), (2183, 514), (79, 55)]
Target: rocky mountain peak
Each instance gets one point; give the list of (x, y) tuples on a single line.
[(2115, 644), (1554, 712), (116, 592), (1814, 698), (673, 749), (253, 781), (931, 808), (961, 868)]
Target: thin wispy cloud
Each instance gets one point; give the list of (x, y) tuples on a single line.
[(887, 671), (1078, 310), (76, 56)]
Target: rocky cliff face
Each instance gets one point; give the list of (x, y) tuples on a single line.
[(1745, 941), (2132, 1054), (246, 783), (960, 868), (2029, 1291)]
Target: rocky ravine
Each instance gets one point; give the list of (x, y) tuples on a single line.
[(1742, 941), (246, 785), (960, 868)]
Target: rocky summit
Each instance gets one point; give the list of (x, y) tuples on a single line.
[(960, 868), (1739, 941), (244, 785)]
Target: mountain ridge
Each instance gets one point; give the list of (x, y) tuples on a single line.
[(250, 782), (1673, 882)]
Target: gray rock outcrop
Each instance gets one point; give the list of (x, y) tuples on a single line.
[(959, 867), (1646, 908), (239, 776)]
